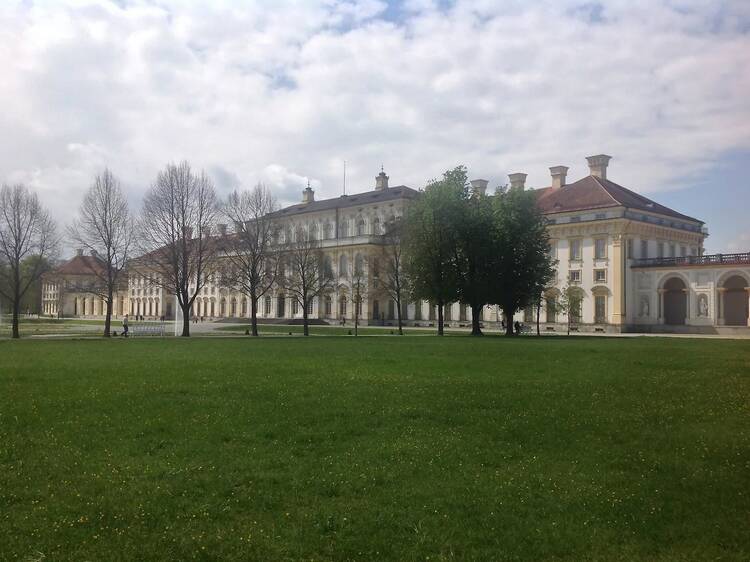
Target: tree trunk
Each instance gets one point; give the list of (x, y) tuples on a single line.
[(108, 317), (538, 313), (398, 315), (440, 319), (305, 328), (16, 310), (186, 321), (476, 310), (254, 315), (509, 328)]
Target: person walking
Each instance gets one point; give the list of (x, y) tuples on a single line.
[(125, 325), (517, 326)]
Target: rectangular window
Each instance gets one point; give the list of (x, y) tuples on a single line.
[(644, 249), (528, 314), (329, 306), (295, 306), (600, 216), (660, 249), (600, 309), (574, 275), (575, 219), (600, 276), (552, 250), (629, 249), (575, 250), (600, 248), (310, 307), (672, 251), (683, 251)]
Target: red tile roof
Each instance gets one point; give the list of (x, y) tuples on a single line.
[(81, 265), (592, 192)]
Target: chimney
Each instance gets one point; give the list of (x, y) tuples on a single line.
[(517, 180), (222, 229), (558, 175), (381, 181), (308, 195), (79, 252), (598, 165), (94, 254), (479, 187)]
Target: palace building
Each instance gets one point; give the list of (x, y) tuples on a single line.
[(637, 265)]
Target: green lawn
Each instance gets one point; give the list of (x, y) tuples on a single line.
[(322, 330), (413, 448), (46, 326)]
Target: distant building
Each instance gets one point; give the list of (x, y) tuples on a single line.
[(637, 265), (71, 290)]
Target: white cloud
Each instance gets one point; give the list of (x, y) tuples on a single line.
[(285, 91)]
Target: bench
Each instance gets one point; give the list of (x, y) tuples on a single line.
[(146, 329)]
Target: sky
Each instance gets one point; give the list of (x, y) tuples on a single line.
[(283, 92)]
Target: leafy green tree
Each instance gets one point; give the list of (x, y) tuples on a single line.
[(475, 252), (522, 264), (430, 240)]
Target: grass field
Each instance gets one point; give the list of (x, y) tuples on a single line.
[(47, 326), (413, 448), (321, 330)]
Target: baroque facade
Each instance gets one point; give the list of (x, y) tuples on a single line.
[(636, 265)]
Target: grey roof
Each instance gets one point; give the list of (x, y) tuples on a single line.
[(343, 201)]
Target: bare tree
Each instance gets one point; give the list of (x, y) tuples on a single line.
[(250, 250), (104, 227), (26, 231), (395, 280), (306, 275), (358, 284), (178, 212)]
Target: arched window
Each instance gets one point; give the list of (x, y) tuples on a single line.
[(342, 307), (360, 226), (359, 265), (328, 230), (344, 228), (328, 306), (343, 265), (314, 231), (287, 235), (376, 225)]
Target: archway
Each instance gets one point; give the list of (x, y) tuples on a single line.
[(735, 301), (675, 302)]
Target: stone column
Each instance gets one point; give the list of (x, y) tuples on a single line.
[(660, 305), (720, 306), (688, 314), (618, 312)]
